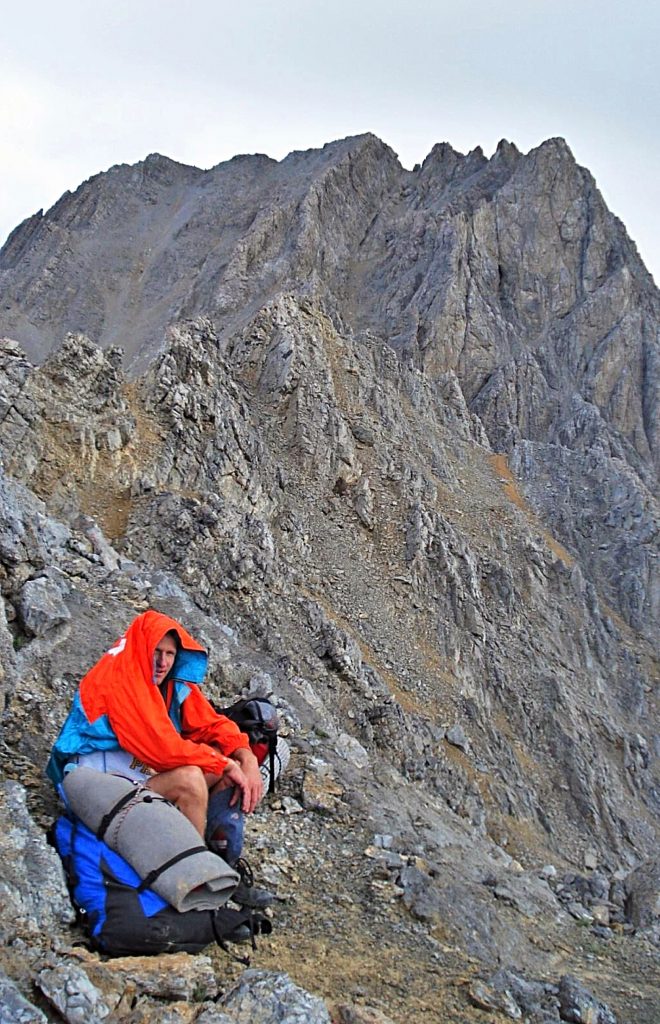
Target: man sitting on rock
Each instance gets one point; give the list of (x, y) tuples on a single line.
[(139, 713)]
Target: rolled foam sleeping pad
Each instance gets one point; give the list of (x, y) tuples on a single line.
[(148, 832)]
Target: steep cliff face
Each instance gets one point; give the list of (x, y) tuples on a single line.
[(386, 440), (510, 273)]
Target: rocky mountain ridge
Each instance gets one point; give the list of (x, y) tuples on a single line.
[(386, 440)]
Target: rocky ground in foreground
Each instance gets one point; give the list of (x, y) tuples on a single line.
[(355, 924)]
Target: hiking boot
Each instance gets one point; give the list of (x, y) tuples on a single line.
[(253, 897), (246, 893)]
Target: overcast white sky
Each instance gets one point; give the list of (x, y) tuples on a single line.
[(85, 84)]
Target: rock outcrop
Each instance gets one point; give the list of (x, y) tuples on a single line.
[(387, 442)]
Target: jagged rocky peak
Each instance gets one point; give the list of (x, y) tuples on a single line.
[(444, 166), (162, 241), (337, 151), (165, 170), (444, 161)]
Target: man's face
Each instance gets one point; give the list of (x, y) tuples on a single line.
[(164, 656)]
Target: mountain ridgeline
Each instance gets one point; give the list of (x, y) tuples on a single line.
[(387, 440)]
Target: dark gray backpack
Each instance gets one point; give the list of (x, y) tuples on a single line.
[(257, 717)]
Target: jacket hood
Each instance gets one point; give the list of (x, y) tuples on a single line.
[(136, 648)]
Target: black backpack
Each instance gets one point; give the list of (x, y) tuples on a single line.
[(258, 718)]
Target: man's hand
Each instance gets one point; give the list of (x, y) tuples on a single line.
[(242, 772)]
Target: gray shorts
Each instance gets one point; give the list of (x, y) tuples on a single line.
[(114, 762)]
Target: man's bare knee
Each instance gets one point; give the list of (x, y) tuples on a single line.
[(181, 784)]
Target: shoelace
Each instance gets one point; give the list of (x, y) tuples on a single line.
[(245, 871)]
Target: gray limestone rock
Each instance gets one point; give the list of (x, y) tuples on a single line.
[(488, 998), (41, 605), (419, 893), (212, 1015), (456, 736), (71, 992), (7, 659), (264, 997), (169, 978), (14, 1007), (33, 893), (578, 1006), (362, 1015), (363, 502), (532, 997), (27, 533), (642, 897)]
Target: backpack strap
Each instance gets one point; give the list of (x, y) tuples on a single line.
[(107, 818), (224, 921), (272, 747), (148, 881)]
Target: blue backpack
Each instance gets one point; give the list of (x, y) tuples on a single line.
[(124, 918)]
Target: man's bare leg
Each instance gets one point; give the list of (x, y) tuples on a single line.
[(188, 789)]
